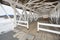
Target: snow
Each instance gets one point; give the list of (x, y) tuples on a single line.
[(6, 25), (9, 10)]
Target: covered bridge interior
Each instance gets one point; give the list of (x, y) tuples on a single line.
[(40, 19)]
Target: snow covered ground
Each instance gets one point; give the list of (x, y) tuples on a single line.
[(9, 10), (6, 25)]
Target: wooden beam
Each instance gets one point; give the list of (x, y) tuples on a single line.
[(0, 1)]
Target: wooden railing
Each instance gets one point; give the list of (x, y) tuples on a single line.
[(47, 30)]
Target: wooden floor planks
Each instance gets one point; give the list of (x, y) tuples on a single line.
[(38, 35)]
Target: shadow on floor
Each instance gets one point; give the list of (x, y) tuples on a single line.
[(8, 36)]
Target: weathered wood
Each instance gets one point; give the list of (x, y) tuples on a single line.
[(0, 1), (35, 7), (38, 36)]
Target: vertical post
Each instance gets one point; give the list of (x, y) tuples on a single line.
[(15, 24), (15, 18), (37, 26), (27, 25)]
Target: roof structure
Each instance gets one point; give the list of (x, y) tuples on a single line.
[(37, 6), (32, 22)]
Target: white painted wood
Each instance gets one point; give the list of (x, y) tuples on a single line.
[(14, 15), (22, 21), (22, 25), (47, 24), (25, 22), (47, 30)]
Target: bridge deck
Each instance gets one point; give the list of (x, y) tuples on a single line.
[(37, 35)]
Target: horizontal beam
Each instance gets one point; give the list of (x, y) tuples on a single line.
[(22, 21), (20, 5), (22, 25), (47, 24), (47, 30)]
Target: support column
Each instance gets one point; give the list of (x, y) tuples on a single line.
[(14, 6)]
